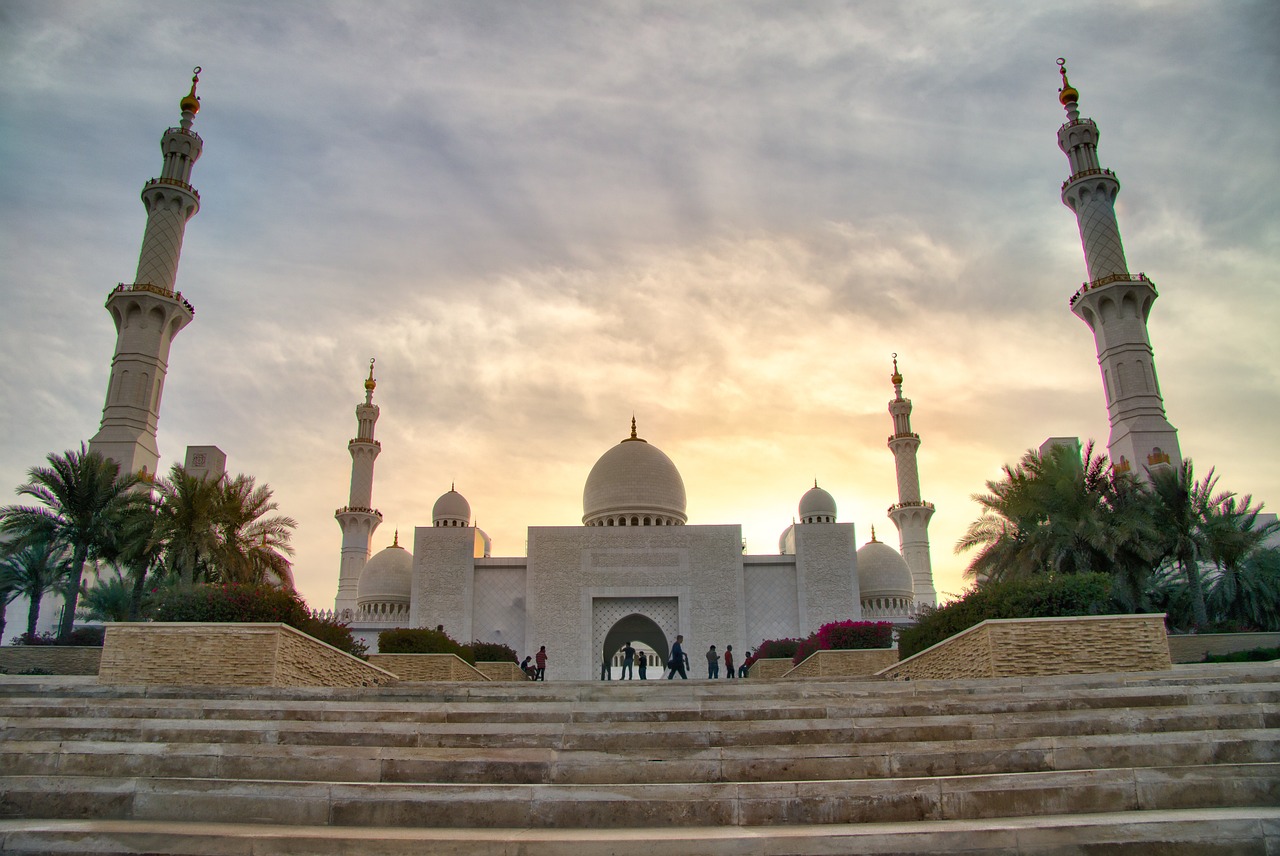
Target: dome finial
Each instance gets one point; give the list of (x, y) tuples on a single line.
[(370, 384), (395, 542), (633, 427), (190, 102), (873, 532), (1067, 94), (896, 377)]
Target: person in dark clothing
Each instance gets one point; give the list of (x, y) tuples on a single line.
[(728, 662), (628, 658), (679, 661), (643, 659), (541, 659)]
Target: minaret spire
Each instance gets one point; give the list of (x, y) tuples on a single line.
[(1114, 303), (910, 513), (358, 518), (147, 312)]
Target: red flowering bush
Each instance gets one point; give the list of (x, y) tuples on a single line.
[(855, 635)]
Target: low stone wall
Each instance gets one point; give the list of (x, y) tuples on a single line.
[(1192, 648), (844, 664), (770, 669), (501, 671), (54, 659), (427, 667), (1023, 647), (241, 655)]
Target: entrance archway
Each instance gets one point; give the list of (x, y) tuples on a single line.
[(635, 628)]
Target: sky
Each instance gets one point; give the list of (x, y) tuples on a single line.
[(723, 218)]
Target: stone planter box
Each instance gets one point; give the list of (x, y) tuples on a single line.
[(1026, 647), (770, 669), (1192, 648), (844, 664), (501, 671), (420, 668), (237, 655), (54, 659)]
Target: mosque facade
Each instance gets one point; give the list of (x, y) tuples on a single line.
[(634, 570)]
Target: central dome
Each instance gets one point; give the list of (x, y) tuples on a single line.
[(634, 484)]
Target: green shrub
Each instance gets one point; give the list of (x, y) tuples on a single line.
[(35, 670), (771, 649), (493, 652), (231, 603), (1253, 655), (420, 640), (335, 633), (1042, 597)]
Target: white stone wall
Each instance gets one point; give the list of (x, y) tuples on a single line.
[(498, 603), (443, 563), (772, 604), (571, 567), (826, 574)]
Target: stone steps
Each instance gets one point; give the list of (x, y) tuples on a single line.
[(776, 767), (1205, 832)]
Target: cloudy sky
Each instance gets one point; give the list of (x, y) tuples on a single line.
[(721, 217)]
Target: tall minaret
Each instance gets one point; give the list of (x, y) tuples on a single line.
[(1114, 303), (910, 513), (358, 518), (148, 313)]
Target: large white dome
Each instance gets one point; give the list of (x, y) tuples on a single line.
[(387, 577), (882, 572), (817, 506), (451, 509), (634, 484)]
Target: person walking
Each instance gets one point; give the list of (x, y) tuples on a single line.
[(679, 660), (728, 662), (713, 664), (643, 659), (541, 660), (628, 658), (606, 668)]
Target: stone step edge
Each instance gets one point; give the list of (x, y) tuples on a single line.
[(1224, 827)]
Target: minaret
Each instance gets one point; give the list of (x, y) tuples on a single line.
[(910, 513), (1114, 303), (358, 518), (148, 313)]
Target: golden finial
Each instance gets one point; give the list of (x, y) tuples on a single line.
[(395, 542), (873, 533), (633, 427), (897, 375), (190, 102), (815, 482), (452, 488), (1067, 94), (370, 384)]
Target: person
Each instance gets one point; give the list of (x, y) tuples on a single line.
[(541, 659), (606, 670), (527, 667), (679, 660), (728, 662), (713, 664), (628, 659), (744, 671), (643, 659)]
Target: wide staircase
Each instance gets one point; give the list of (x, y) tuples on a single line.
[(1186, 761)]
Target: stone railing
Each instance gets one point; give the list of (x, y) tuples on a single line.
[(134, 287), (501, 671), (1084, 173), (428, 667), (54, 659), (844, 664), (244, 655), (358, 509), (1107, 280), (1021, 647), (173, 182), (1192, 648)]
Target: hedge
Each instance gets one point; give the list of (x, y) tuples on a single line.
[(421, 640)]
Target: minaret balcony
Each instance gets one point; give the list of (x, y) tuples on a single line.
[(173, 182), (1085, 173), (185, 131), (917, 504), (357, 509), (1102, 282), (364, 441), (135, 287), (906, 435)]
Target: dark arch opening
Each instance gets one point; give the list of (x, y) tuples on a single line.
[(636, 628)]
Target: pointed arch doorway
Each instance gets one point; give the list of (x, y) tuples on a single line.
[(648, 622), (636, 628)]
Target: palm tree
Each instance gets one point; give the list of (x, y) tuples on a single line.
[(8, 591), (137, 550), (1249, 595), (35, 568), (1059, 513), (254, 546), (187, 521), (110, 598), (81, 495), (1185, 511)]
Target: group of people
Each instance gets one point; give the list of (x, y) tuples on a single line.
[(535, 666), (679, 662)]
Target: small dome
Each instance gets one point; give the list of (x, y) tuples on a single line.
[(817, 506), (387, 577), (634, 479), (882, 572), (451, 509), (190, 102)]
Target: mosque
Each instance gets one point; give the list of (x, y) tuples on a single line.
[(635, 569)]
